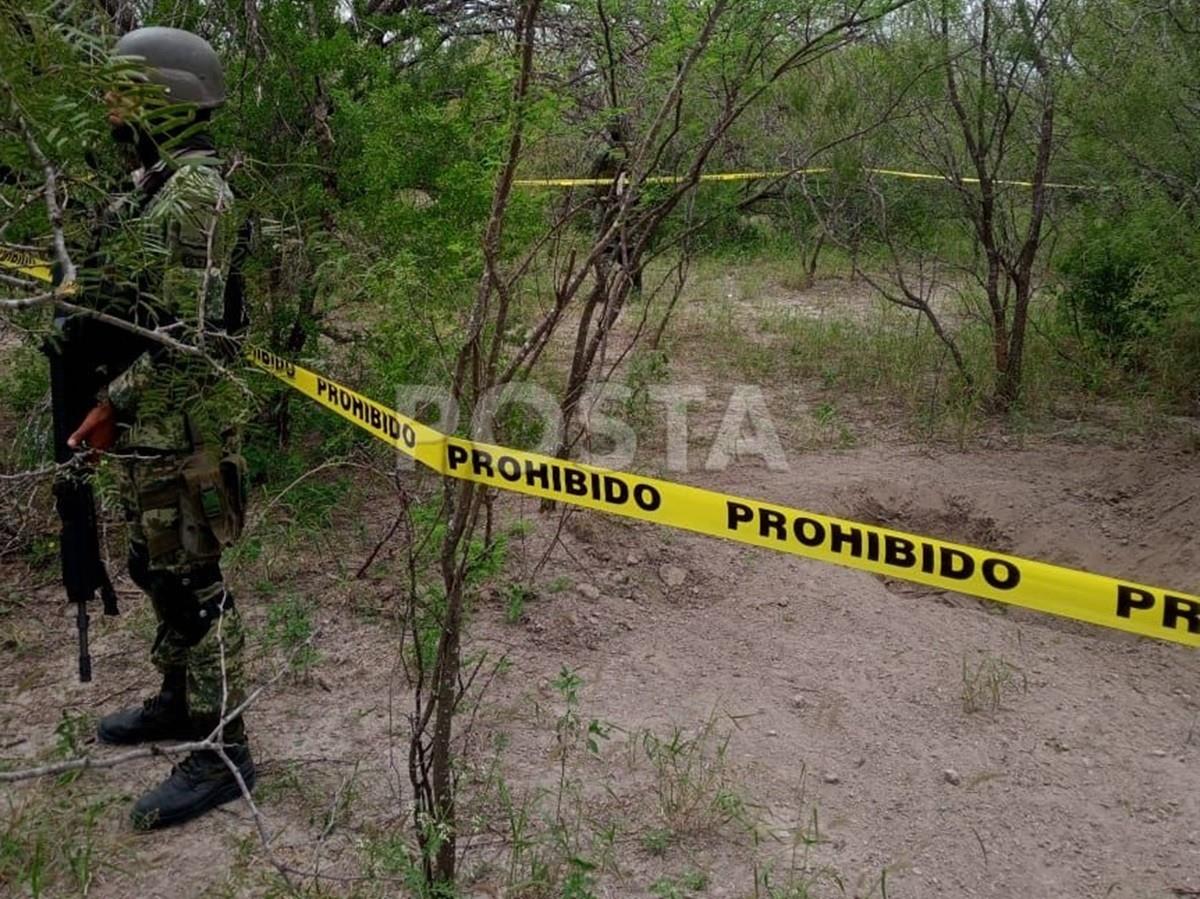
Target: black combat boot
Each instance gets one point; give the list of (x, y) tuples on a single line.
[(201, 782), (163, 716)]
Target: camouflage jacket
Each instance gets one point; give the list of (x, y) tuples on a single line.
[(612, 163), (168, 254)]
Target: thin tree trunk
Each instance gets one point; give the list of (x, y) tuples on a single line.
[(474, 375), (446, 688)]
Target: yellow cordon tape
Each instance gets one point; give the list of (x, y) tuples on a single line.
[(25, 262), (1121, 605), (789, 173), (1096, 599)]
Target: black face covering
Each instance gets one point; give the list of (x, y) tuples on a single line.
[(127, 139), (146, 149), (123, 133)]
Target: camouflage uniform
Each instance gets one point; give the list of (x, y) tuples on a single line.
[(170, 265), (613, 163), (181, 420)]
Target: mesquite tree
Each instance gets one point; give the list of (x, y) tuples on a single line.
[(987, 121), (697, 70)]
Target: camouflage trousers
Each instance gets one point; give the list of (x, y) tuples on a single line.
[(183, 510)]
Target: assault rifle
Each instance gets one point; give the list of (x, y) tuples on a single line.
[(73, 389), (74, 384)]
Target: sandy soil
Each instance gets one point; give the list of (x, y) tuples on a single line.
[(840, 695)]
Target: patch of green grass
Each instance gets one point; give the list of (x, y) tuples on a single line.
[(580, 882), (245, 552), (391, 855), (646, 367), (42, 552), (688, 883), (289, 626), (832, 427), (656, 841), (797, 875), (55, 840), (692, 787), (515, 597), (988, 681), (886, 354), (313, 501), (825, 413), (486, 560), (782, 264), (559, 839), (522, 527)]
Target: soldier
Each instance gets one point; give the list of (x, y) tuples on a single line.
[(613, 164), (164, 260)]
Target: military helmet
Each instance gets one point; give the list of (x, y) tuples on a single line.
[(184, 63)]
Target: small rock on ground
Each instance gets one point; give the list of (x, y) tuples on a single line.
[(672, 575)]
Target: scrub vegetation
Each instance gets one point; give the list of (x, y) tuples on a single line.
[(974, 224)]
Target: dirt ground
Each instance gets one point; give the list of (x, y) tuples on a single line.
[(853, 736)]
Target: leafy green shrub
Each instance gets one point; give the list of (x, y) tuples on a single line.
[(25, 380), (1175, 357), (24, 393), (1110, 286)]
